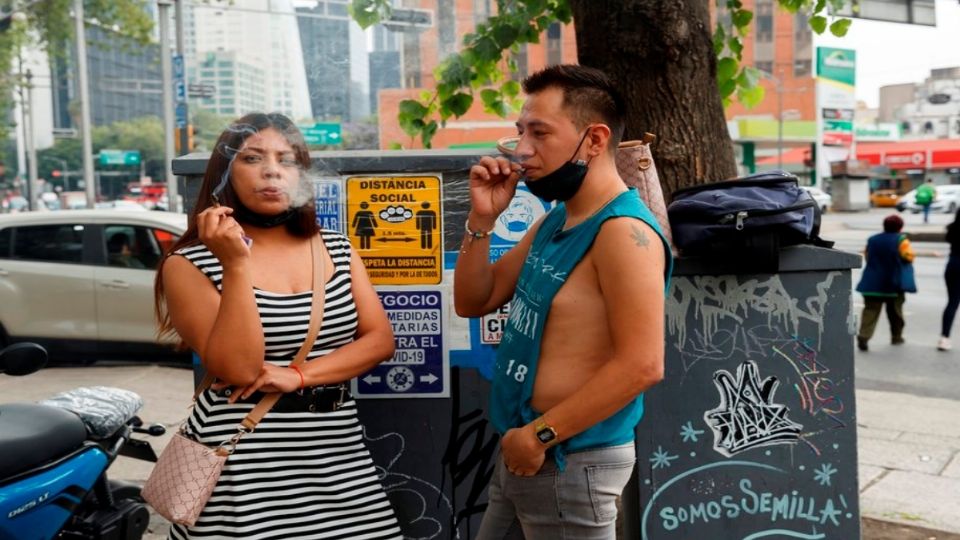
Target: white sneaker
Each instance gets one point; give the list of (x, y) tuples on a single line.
[(943, 344)]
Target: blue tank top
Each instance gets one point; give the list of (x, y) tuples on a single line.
[(553, 255)]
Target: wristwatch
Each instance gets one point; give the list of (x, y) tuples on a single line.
[(545, 433)]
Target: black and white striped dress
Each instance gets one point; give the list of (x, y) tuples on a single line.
[(298, 475)]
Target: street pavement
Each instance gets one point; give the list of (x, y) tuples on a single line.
[(908, 404), (908, 396)]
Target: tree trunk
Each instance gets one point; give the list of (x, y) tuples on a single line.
[(660, 55)]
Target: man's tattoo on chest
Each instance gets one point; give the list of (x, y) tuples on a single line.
[(640, 237)]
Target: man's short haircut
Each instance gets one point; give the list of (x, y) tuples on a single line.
[(588, 94)]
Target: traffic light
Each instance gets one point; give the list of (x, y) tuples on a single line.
[(177, 138)]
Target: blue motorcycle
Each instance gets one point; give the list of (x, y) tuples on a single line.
[(54, 457)]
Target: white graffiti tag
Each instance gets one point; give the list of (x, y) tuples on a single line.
[(747, 417)]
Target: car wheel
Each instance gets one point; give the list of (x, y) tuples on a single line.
[(824, 209)]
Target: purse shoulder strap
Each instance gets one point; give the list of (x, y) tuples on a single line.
[(316, 320)]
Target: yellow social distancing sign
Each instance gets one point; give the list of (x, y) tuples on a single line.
[(396, 225)]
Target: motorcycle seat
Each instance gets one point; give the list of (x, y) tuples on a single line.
[(103, 409), (31, 435)]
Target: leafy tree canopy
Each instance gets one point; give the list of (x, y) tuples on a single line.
[(477, 70)]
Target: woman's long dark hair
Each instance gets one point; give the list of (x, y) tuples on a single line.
[(304, 224)]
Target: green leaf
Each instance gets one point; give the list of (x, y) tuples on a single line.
[(751, 97), (429, 130), (487, 49), (369, 12), (396, 146), (510, 89), (530, 34), (840, 27), (458, 104), (412, 108), (727, 88), (457, 72), (505, 35), (718, 38), (819, 6), (489, 96), (818, 23), (409, 124), (791, 5), (741, 18), (726, 69), (736, 46), (749, 76)]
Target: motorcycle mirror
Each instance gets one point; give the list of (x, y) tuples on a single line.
[(22, 359)]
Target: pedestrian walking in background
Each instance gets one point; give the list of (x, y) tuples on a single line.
[(952, 277), (925, 196), (887, 275)]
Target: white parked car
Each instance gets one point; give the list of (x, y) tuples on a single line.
[(947, 200), (121, 204), (824, 200), (80, 282)]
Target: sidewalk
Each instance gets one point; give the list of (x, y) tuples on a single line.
[(909, 462), (909, 447)]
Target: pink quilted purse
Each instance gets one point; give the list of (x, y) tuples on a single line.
[(636, 167), (183, 479)]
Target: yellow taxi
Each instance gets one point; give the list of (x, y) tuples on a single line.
[(884, 198)]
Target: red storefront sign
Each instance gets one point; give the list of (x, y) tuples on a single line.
[(942, 159), (906, 160)]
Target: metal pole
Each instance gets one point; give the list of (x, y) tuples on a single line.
[(31, 146), (779, 123), (90, 183), (178, 16), (167, 83)]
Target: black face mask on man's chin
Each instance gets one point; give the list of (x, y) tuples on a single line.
[(563, 183)]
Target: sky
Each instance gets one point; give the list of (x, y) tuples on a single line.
[(890, 53)]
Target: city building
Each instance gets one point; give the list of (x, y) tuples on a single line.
[(124, 80), (423, 47), (933, 111), (261, 39), (229, 85), (336, 63)]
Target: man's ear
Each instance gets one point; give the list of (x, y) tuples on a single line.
[(598, 139)]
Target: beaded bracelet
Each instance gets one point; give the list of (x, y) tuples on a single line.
[(476, 234)]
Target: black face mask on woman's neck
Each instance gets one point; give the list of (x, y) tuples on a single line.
[(244, 215), (563, 183)]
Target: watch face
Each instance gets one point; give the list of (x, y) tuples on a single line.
[(546, 435)]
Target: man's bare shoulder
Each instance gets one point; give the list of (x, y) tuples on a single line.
[(631, 236)]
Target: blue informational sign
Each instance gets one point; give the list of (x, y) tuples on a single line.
[(419, 367), (178, 71), (181, 111), (180, 91), (524, 210), (466, 343), (328, 198)]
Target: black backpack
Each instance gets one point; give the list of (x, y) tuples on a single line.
[(746, 220)]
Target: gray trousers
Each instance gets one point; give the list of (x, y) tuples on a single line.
[(579, 503)]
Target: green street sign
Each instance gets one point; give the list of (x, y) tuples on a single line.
[(322, 133), (838, 125), (837, 64), (119, 157)]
